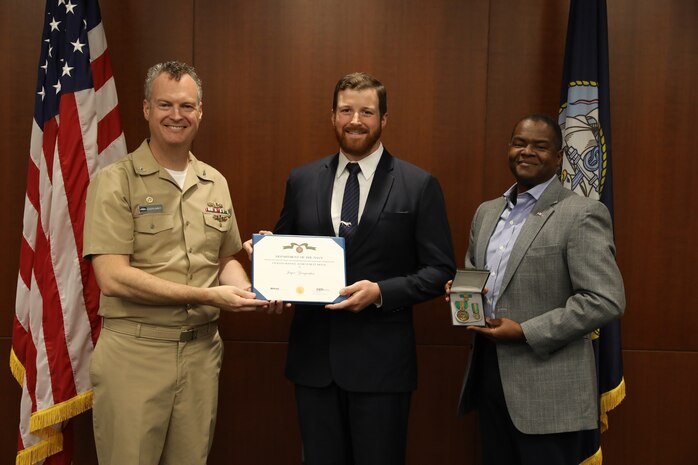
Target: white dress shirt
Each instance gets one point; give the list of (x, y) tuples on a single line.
[(368, 167)]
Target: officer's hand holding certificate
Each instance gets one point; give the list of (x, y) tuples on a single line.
[(298, 269)]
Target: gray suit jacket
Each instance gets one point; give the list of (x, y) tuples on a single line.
[(561, 283)]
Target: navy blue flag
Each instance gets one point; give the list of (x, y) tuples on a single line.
[(586, 169)]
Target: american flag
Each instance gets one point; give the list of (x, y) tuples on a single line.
[(76, 130)]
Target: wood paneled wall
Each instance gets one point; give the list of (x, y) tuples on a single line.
[(459, 74)]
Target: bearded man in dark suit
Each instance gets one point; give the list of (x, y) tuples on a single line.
[(354, 362)]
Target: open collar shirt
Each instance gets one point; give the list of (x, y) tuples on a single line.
[(512, 219)]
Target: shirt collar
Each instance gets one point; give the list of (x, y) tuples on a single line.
[(367, 164), (535, 191), (145, 163)]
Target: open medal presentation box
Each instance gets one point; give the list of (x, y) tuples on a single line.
[(466, 297)]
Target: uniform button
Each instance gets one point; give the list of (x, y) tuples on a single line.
[(190, 250), (493, 274), (152, 226), (186, 224)]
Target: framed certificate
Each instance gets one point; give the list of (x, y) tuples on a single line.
[(298, 269), (466, 297)]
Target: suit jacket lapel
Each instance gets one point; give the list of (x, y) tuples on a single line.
[(325, 183), (377, 197), (542, 210), (489, 223)]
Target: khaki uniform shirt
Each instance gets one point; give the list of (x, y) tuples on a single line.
[(135, 208)]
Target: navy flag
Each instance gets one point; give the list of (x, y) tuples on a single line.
[(586, 168)]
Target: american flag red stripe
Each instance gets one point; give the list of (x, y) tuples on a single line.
[(101, 70), (76, 130), (106, 127)]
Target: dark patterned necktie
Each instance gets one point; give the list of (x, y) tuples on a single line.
[(350, 203)]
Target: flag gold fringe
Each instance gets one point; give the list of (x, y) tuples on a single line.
[(16, 368), (595, 459), (51, 443), (610, 400), (61, 412), (41, 422)]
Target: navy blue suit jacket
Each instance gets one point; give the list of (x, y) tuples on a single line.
[(403, 242)]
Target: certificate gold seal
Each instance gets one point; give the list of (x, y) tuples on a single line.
[(300, 290)]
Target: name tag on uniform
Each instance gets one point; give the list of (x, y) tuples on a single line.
[(145, 209)]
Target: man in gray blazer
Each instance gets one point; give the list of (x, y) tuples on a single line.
[(553, 281)]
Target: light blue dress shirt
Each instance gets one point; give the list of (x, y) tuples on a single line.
[(501, 243)]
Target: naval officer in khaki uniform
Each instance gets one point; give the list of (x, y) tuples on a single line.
[(161, 232)]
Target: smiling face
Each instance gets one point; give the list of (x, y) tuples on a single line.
[(357, 122), (173, 113), (534, 155)]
